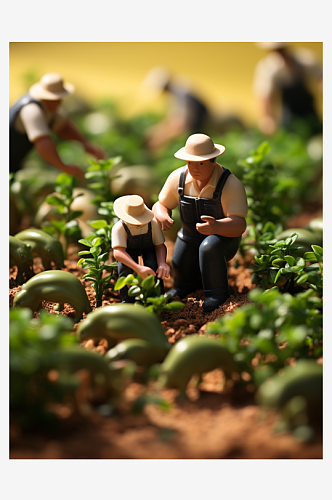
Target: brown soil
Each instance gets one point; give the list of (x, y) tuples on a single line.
[(218, 421)]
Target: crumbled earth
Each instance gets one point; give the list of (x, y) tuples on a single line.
[(219, 420)]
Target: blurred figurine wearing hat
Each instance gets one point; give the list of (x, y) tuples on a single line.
[(137, 234), (34, 116), (213, 205), (187, 112), (283, 86)]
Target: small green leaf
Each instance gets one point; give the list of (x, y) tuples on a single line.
[(89, 278), (134, 291), (310, 256), (317, 249), (55, 200), (301, 279), (289, 259), (120, 283), (86, 242), (97, 242), (98, 224), (148, 282)]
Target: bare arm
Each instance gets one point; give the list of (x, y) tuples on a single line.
[(231, 226), (47, 150), (163, 268), (70, 132), (121, 255), (268, 120), (163, 216)]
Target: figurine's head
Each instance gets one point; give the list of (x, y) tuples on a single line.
[(156, 82), (200, 153), (51, 87), (132, 209), (272, 45), (198, 148)]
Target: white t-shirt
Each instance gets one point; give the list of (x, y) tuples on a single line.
[(36, 122), (272, 71), (119, 235)]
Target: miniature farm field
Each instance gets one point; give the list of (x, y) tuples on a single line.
[(217, 422)]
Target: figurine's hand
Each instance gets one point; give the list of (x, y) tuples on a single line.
[(163, 271), (208, 227), (165, 222), (74, 170), (145, 271), (94, 150)]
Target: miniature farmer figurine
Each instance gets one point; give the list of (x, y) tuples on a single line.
[(187, 112), (213, 205), (136, 234), (283, 84), (34, 116)]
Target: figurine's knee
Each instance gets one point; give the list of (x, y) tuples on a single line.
[(212, 245)]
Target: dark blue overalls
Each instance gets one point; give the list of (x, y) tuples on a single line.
[(200, 261), (298, 102), (198, 110), (19, 144), (140, 244)]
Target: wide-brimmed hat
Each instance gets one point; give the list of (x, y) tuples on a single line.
[(132, 209), (51, 87), (272, 45), (199, 147)]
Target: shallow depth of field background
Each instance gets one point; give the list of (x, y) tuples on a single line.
[(221, 72)]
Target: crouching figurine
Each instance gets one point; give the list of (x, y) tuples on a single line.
[(137, 234), (212, 205)]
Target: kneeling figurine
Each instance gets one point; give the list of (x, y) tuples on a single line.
[(137, 234), (213, 205)]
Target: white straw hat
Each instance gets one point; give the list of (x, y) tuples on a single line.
[(51, 87), (132, 209), (272, 45), (199, 147)]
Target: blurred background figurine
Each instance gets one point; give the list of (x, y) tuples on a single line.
[(35, 116), (137, 234), (187, 112), (283, 83)]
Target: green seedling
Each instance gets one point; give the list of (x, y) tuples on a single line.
[(67, 226), (103, 228), (291, 273), (31, 346), (97, 267), (44, 358), (99, 171), (265, 192), (147, 293), (273, 328)]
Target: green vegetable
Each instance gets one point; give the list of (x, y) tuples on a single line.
[(147, 292)]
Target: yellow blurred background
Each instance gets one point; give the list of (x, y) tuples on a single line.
[(221, 72)]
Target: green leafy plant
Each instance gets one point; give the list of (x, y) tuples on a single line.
[(266, 191), (65, 220), (32, 343), (99, 171), (147, 293), (97, 267), (280, 266), (275, 327), (103, 227)]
